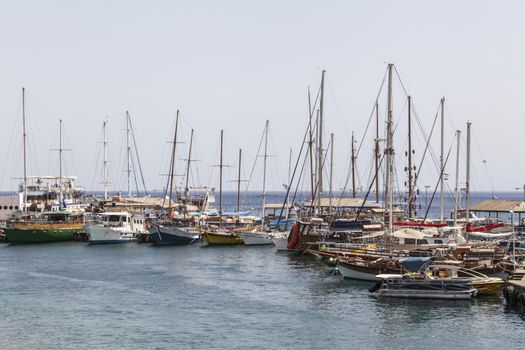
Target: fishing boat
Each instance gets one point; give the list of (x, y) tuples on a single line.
[(56, 226), (419, 284), (172, 233), (115, 227)]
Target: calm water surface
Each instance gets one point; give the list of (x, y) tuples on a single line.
[(131, 296)]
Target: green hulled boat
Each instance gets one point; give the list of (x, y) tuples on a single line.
[(44, 227)]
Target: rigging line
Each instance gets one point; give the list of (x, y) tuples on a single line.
[(426, 148), (372, 112), (365, 132), (474, 134), (285, 201), (49, 114), (437, 183), (138, 159), (400, 81), (369, 189), (245, 195)]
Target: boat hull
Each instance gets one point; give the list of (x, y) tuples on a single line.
[(418, 294), (257, 238), (351, 272), (42, 233), (107, 235), (163, 235), (222, 238)]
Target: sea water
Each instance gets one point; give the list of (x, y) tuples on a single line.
[(137, 296)]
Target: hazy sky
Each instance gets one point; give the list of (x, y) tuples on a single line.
[(234, 64)]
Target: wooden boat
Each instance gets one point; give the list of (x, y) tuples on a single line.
[(223, 238), (44, 227)]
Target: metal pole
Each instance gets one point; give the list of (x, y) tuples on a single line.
[(377, 153), (467, 182), (456, 201), (239, 184), (128, 147), (410, 177), (220, 181), (105, 161), (264, 172), (389, 151), (442, 163), (24, 134), (331, 172)]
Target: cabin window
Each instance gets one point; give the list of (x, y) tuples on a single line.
[(422, 241), (438, 241), (410, 241), (113, 218)]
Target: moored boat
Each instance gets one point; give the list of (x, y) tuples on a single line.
[(115, 227), (168, 233), (44, 227)]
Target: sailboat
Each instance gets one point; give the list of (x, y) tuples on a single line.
[(261, 236), (220, 235), (50, 220), (174, 231)]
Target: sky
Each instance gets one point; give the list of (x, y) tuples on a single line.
[(232, 65)]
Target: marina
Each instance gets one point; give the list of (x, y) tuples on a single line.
[(262, 175)]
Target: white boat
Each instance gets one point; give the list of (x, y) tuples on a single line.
[(115, 227), (257, 238), (280, 240)]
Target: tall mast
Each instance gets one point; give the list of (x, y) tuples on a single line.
[(318, 167), (60, 150), (467, 182), (320, 141), (442, 160), (264, 171), (24, 134), (310, 152), (186, 187), (377, 152), (220, 180), (456, 190), (105, 161), (410, 176), (128, 149), (173, 158), (239, 184), (389, 152), (353, 166), (330, 191)]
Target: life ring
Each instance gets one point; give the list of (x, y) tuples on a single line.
[(293, 237), (390, 265)]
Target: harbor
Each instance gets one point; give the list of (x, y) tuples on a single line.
[(262, 175)]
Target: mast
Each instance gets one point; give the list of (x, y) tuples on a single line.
[(353, 166), (467, 182), (60, 150), (105, 161), (239, 184), (310, 151), (24, 136), (320, 141), (456, 194), (389, 152), (290, 169), (186, 187), (173, 158), (128, 149), (264, 172), (318, 166), (442, 166), (377, 152), (330, 191), (410, 176), (220, 180)]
